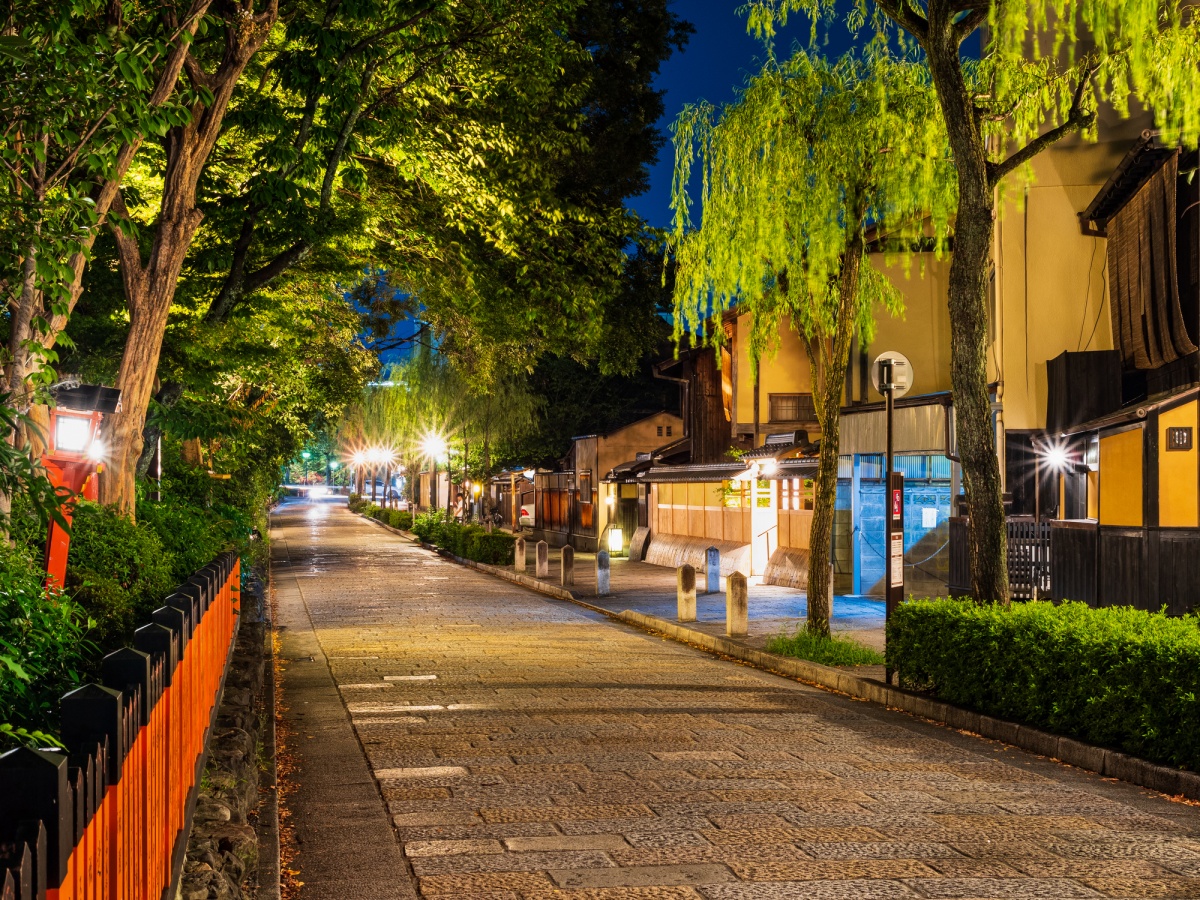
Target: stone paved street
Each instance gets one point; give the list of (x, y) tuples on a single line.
[(458, 736)]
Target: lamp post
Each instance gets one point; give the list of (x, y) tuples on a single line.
[(330, 467), (72, 459), (434, 446)]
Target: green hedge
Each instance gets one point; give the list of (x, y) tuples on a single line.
[(495, 549), (467, 541), (1118, 677)]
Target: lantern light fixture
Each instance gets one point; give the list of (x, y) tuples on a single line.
[(616, 540)]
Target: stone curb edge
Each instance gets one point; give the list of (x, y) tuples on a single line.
[(1104, 762), (1108, 763)]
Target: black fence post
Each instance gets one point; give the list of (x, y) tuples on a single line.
[(34, 785)]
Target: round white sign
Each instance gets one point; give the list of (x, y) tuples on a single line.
[(902, 374)]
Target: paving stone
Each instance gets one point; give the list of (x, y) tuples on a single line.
[(1015, 888), (567, 842), (413, 849), (811, 890), (641, 876), (1181, 888)]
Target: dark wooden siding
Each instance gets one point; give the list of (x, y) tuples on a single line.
[(1121, 567), (1073, 547), (1178, 565)]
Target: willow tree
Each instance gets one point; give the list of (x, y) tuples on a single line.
[(811, 157), (1047, 64)]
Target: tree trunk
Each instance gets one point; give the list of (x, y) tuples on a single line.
[(969, 268), (820, 591), (150, 289)]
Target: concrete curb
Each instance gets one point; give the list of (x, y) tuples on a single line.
[(1109, 763)]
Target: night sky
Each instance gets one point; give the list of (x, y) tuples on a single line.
[(717, 60)]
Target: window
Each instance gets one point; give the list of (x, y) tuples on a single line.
[(660, 431), (791, 408), (668, 430)]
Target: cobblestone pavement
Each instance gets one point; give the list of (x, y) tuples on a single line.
[(521, 747)]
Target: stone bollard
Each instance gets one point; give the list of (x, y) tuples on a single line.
[(568, 566), (602, 566), (542, 560), (737, 606), (519, 556), (712, 568), (685, 592)]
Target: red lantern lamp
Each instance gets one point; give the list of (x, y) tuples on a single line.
[(73, 459)]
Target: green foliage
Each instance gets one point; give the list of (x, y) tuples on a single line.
[(402, 519), (1044, 58), (1118, 677), (812, 153), (468, 541), (826, 650), (495, 549), (191, 535), (45, 649), (118, 571)]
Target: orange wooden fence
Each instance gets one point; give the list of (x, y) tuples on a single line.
[(108, 818)]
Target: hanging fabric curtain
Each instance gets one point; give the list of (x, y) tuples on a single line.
[(1147, 318)]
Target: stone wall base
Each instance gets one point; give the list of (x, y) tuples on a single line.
[(673, 550), (787, 567), (222, 853)]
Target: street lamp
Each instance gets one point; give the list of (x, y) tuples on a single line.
[(434, 446), (72, 458)]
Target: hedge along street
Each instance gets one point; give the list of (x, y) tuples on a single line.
[(555, 750)]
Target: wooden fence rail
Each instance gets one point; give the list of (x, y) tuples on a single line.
[(109, 817)]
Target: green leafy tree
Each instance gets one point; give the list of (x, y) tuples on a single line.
[(1047, 65), (812, 155)]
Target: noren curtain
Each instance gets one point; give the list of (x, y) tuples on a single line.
[(1147, 319)]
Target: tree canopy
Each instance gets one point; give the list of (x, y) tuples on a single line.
[(812, 156)]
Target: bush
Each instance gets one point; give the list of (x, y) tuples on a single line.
[(495, 549), (1118, 677), (193, 536), (428, 525), (401, 519), (44, 649), (356, 502), (828, 651), (117, 571)]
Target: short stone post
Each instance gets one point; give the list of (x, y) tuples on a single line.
[(602, 573), (519, 556), (712, 567), (685, 592), (568, 566), (737, 606), (542, 560)]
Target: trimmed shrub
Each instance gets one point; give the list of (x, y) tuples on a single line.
[(355, 502), (1118, 677), (495, 549), (117, 571), (44, 650), (401, 519), (193, 536)]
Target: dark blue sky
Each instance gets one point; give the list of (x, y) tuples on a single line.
[(716, 61)]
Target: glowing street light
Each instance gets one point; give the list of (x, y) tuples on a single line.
[(72, 459), (435, 447)]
